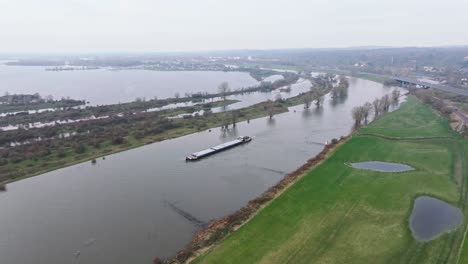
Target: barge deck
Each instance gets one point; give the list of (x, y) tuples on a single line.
[(207, 152)]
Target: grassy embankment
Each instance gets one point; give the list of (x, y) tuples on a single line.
[(337, 214)]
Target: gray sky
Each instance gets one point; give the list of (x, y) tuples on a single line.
[(184, 25)]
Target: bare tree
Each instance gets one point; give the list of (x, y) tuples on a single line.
[(342, 89), (226, 120), (307, 100), (177, 95), (344, 82), (317, 97), (223, 89), (270, 106), (358, 114), (395, 96), (366, 108), (385, 102), (235, 114), (376, 105)]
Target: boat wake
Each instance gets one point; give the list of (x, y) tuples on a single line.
[(192, 219)]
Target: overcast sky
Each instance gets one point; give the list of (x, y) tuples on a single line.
[(185, 25)]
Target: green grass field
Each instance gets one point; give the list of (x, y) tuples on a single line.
[(412, 120), (337, 214)]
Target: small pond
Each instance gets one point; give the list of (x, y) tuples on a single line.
[(431, 217), (381, 166)]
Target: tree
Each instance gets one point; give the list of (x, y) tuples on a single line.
[(376, 105), (235, 114), (223, 89), (177, 95), (395, 96), (340, 91), (358, 114), (317, 97), (366, 108), (344, 82), (270, 106), (79, 148), (307, 100), (385, 103)]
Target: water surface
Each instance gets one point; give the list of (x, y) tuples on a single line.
[(381, 166), (432, 217), (133, 205), (109, 87)]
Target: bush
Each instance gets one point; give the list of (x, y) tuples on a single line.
[(61, 154), (79, 148), (138, 134), (3, 162), (118, 140)]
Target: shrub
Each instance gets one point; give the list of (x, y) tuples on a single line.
[(118, 140), (79, 148)]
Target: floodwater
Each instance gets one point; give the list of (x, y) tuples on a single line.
[(248, 99), (273, 78), (148, 202), (109, 87), (432, 217), (244, 100), (382, 166)]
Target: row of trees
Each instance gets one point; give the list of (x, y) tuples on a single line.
[(377, 107), (224, 89)]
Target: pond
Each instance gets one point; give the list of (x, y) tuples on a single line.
[(133, 206), (432, 217), (381, 166)]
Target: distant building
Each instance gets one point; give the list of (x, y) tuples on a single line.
[(360, 64), (430, 69)]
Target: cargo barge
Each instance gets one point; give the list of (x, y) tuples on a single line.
[(207, 152)]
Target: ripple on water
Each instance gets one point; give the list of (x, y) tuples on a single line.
[(381, 166), (431, 217)]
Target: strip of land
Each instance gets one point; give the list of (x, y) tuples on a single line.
[(337, 214)]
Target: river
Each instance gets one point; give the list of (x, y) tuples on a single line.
[(132, 206)]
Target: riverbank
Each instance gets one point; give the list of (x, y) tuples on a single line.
[(336, 214), (204, 240)]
